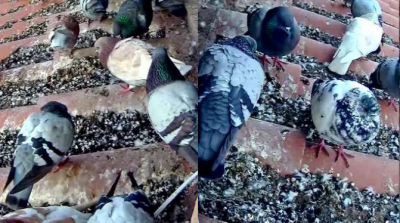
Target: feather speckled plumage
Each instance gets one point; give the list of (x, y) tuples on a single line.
[(230, 83), (345, 112), (176, 122), (43, 141), (134, 18), (275, 30), (94, 9)]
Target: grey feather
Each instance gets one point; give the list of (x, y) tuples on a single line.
[(363, 7), (386, 77), (94, 9), (43, 141)]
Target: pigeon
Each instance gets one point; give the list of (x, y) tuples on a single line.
[(347, 3), (94, 10), (65, 32), (364, 7), (129, 60), (386, 77), (345, 113), (230, 82), (50, 214), (133, 19), (275, 30), (363, 36), (176, 122), (175, 7), (131, 208), (42, 144)]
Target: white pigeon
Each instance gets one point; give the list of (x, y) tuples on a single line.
[(172, 106), (52, 214), (42, 144), (345, 113), (130, 59), (132, 208), (363, 36)]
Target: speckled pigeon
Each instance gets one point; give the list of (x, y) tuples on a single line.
[(130, 60), (364, 7), (52, 214), (275, 30), (172, 106), (94, 10), (386, 77), (363, 36), (345, 113), (175, 7), (64, 33), (42, 144), (131, 208), (134, 18), (230, 83)]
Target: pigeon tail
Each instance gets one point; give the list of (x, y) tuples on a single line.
[(19, 200)]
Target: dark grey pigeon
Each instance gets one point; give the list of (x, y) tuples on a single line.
[(42, 144), (175, 7), (230, 83), (363, 7), (386, 77), (172, 106), (275, 30), (345, 113), (133, 19)]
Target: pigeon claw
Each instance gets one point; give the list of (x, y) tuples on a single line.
[(340, 152), (278, 63), (126, 88), (320, 146), (393, 103)]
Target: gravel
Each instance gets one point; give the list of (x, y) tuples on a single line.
[(7, 25), (100, 131), (252, 192), (24, 56), (80, 74), (320, 36), (13, 10), (87, 39), (35, 30), (341, 18)]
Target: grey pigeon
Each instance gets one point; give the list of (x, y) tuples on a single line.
[(133, 207), (364, 7), (175, 7), (386, 77), (64, 33), (275, 30), (172, 106), (134, 18), (230, 83), (42, 143), (94, 9), (345, 113)]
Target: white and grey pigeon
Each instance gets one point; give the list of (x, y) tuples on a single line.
[(230, 83), (345, 113), (94, 10), (52, 214), (386, 77), (364, 7), (172, 106), (42, 144), (130, 208), (363, 36)]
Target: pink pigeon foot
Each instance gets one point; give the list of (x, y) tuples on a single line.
[(126, 88), (340, 152), (61, 165), (278, 63), (393, 103), (320, 146)]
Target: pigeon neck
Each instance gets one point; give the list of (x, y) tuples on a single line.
[(162, 72)]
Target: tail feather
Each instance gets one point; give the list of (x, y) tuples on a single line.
[(20, 199)]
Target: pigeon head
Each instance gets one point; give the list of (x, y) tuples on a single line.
[(104, 46), (280, 23), (244, 43), (162, 70), (56, 108)]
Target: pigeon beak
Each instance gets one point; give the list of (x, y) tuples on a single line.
[(287, 28)]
